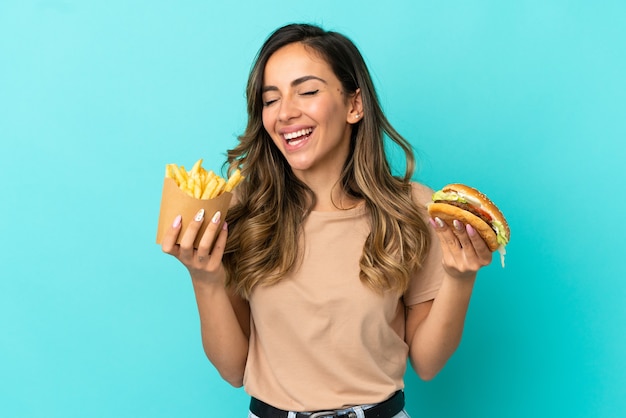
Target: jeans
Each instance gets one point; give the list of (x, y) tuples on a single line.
[(359, 414)]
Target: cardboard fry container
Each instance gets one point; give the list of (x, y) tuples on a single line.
[(175, 202)]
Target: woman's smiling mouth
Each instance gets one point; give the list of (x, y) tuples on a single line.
[(296, 137)]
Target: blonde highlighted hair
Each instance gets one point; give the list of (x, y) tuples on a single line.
[(266, 222)]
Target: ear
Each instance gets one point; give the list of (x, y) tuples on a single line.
[(355, 112)]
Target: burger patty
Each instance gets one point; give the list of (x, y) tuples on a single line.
[(469, 208)]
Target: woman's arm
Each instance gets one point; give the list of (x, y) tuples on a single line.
[(224, 317), (434, 328)]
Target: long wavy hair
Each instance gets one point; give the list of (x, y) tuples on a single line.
[(265, 223)]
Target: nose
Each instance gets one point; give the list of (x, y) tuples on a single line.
[(288, 109)]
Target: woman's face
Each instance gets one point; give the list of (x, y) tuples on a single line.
[(306, 112)]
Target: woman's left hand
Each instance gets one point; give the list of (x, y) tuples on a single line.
[(464, 251)]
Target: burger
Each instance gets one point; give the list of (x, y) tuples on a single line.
[(470, 206)]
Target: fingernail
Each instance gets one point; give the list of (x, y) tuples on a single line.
[(458, 225), (199, 215), (216, 217), (470, 230), (225, 226), (177, 220), (440, 223)]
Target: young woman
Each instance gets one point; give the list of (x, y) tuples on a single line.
[(328, 274)]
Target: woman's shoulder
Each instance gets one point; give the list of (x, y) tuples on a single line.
[(421, 193)]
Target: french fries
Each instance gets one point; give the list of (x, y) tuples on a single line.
[(199, 183)]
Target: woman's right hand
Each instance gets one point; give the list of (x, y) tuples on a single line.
[(203, 265), (224, 316)]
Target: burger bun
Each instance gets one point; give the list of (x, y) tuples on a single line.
[(448, 213)]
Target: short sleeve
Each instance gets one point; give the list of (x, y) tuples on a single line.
[(426, 281)]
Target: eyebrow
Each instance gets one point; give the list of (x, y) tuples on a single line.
[(295, 82)]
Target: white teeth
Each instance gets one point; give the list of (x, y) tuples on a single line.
[(292, 135)]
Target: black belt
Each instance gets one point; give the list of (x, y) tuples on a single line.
[(385, 409)]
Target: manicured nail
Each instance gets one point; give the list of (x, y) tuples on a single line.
[(439, 222), (470, 230), (199, 215), (458, 225), (225, 226), (177, 220), (216, 217)]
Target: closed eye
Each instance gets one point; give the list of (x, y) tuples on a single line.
[(310, 93)]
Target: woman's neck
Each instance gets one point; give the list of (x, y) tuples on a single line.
[(330, 196)]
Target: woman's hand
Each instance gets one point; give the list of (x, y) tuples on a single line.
[(201, 264), (224, 316), (464, 251), (434, 328)]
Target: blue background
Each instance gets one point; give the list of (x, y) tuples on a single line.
[(525, 100)]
